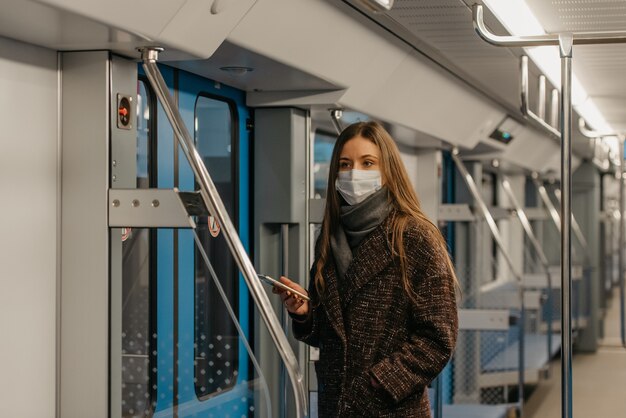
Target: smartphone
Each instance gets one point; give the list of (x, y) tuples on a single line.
[(273, 282)]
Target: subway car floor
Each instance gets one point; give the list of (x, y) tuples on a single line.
[(599, 379)]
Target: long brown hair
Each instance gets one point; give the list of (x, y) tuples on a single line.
[(402, 196)]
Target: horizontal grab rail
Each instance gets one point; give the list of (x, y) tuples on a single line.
[(580, 38), (589, 133)]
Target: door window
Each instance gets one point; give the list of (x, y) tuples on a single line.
[(216, 340)]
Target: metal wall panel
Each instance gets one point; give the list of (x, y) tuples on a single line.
[(28, 247), (85, 243), (280, 219)]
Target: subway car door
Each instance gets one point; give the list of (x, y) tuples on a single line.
[(182, 353)]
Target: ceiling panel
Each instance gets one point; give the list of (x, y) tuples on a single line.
[(598, 67), (445, 28), (443, 31), (580, 15)]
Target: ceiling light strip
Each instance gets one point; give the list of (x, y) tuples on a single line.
[(520, 21)]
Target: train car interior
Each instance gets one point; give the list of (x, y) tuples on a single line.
[(159, 155)]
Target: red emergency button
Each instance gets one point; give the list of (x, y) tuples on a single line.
[(124, 112)]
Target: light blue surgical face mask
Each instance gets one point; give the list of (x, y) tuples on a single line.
[(357, 185)]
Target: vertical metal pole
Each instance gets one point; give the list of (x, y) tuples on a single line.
[(620, 259), (565, 48), (284, 235)]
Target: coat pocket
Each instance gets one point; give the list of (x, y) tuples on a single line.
[(367, 400)]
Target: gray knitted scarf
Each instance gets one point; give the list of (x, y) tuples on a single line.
[(357, 222)]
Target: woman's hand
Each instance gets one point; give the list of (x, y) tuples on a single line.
[(294, 303)]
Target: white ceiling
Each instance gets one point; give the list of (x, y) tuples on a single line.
[(442, 30), (600, 68)]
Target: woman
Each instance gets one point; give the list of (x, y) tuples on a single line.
[(383, 309)]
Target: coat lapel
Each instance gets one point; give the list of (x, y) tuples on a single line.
[(372, 256)]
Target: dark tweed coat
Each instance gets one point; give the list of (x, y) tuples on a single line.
[(368, 327)]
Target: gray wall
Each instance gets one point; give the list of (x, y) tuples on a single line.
[(28, 246), (85, 245)]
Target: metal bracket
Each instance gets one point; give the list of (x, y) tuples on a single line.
[(154, 208), (335, 117), (457, 212), (484, 319)]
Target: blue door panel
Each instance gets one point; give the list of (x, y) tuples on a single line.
[(176, 356)]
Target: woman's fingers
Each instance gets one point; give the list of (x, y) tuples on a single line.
[(296, 304), (291, 300), (292, 284)]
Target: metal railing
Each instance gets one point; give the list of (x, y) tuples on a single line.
[(214, 203), (525, 108), (580, 38), (565, 42), (495, 233), (521, 215)]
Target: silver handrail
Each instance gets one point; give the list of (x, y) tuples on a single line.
[(578, 232), (212, 200), (524, 96), (484, 211), (580, 38), (622, 241), (233, 317), (545, 198), (555, 216), (521, 215), (589, 133), (495, 233), (284, 247)]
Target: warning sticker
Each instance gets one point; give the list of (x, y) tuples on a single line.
[(214, 227)]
